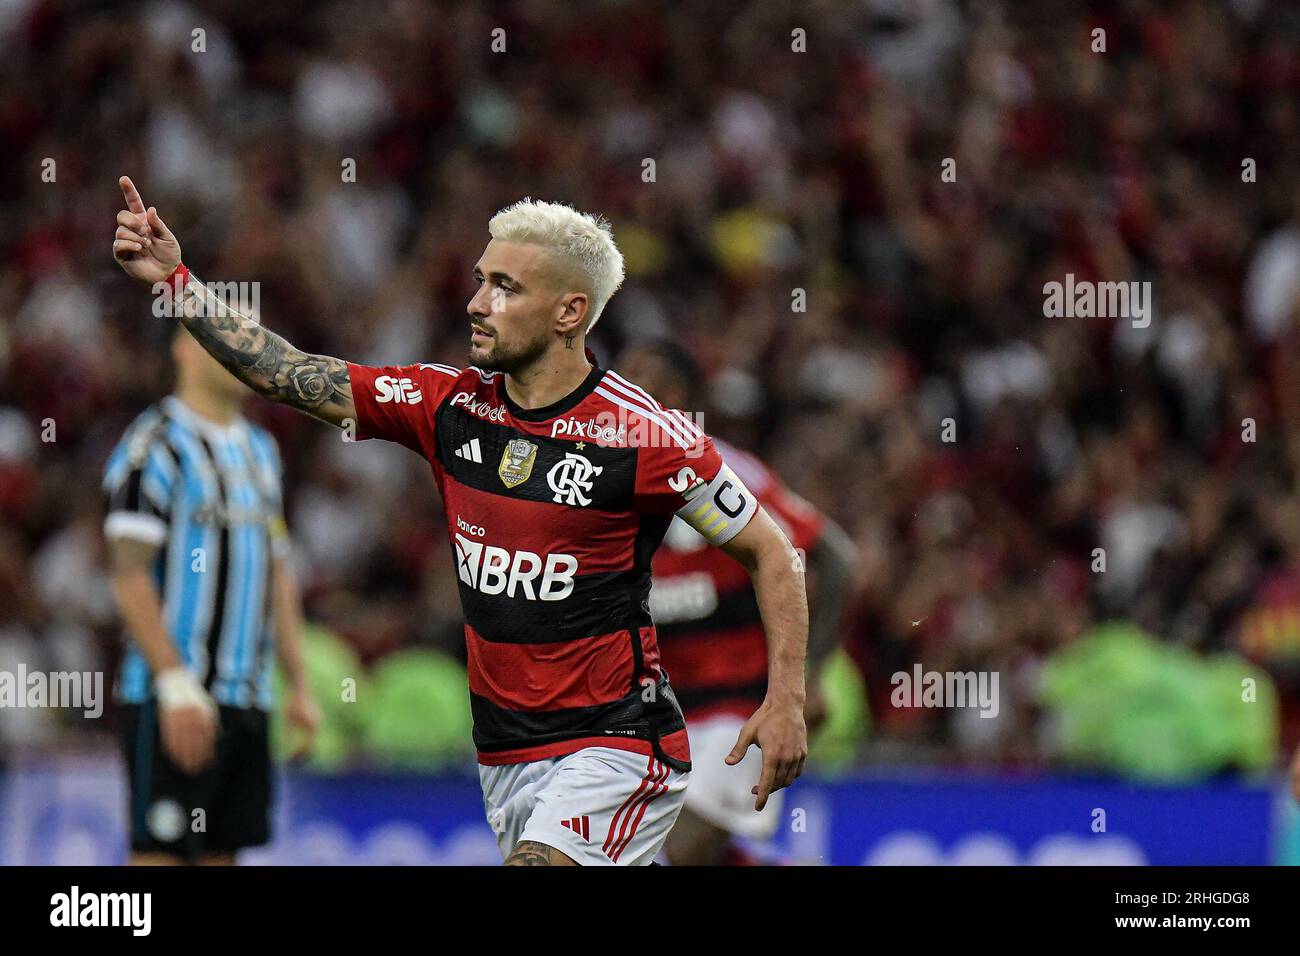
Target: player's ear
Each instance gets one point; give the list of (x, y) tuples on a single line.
[(573, 317)]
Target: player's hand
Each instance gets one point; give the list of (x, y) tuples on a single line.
[(778, 729), (143, 245), (303, 713), (188, 717), (189, 736)]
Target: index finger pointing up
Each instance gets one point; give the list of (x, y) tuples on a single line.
[(133, 200)]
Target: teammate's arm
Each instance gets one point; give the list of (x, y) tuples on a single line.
[(186, 713), (778, 725), (316, 384), (300, 710), (831, 562)]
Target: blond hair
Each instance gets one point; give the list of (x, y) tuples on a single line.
[(577, 238)]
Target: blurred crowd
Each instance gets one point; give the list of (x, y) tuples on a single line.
[(872, 328)]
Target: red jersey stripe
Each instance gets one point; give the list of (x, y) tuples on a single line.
[(550, 676)]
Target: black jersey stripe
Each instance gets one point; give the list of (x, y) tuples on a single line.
[(697, 698), (600, 604), (498, 728), (736, 609), (611, 490), (213, 641)]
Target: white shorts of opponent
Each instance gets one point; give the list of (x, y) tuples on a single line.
[(598, 806), (721, 794)]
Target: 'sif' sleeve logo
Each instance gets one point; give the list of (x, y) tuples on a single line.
[(399, 390)]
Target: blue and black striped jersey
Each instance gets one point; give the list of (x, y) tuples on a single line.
[(209, 496)]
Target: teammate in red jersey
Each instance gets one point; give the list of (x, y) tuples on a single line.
[(711, 630), (559, 480)]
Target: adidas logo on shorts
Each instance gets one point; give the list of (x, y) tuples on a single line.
[(579, 825), (471, 452)]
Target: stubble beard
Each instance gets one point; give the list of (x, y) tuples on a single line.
[(510, 361)]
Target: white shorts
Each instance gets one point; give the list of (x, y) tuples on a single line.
[(598, 806), (721, 794)]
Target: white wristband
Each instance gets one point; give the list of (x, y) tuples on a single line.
[(178, 688)]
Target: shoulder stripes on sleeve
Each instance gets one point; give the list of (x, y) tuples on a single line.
[(444, 369), (684, 432)]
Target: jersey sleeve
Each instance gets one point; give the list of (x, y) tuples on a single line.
[(695, 484), (398, 402), (140, 482)]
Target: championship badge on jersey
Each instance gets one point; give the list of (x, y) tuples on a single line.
[(517, 462)]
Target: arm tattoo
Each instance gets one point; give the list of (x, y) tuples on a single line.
[(529, 853), (264, 361)]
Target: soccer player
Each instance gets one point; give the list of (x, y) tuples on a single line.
[(559, 480), (198, 549), (711, 631)]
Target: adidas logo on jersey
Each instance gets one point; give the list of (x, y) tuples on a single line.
[(471, 452)]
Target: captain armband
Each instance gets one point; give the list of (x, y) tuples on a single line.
[(720, 509)]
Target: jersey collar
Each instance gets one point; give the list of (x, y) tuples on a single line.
[(192, 419), (555, 409)]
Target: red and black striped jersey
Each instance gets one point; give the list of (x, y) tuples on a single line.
[(554, 516), (710, 630)]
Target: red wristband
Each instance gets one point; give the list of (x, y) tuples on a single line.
[(178, 280)]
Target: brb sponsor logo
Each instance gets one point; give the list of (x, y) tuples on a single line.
[(493, 570), (484, 410), (604, 429), (400, 390)]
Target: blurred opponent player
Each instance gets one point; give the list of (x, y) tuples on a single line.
[(711, 632), (558, 480), (198, 548)]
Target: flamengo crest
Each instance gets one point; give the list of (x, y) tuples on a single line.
[(571, 481)]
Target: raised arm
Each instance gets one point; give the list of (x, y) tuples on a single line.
[(317, 384)]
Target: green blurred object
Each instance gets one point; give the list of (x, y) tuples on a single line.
[(848, 718), (1125, 702), (330, 662), (419, 717)]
